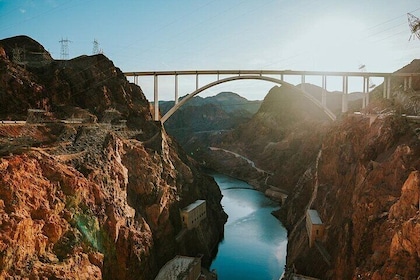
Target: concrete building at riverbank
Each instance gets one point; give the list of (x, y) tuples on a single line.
[(193, 214), (314, 226)]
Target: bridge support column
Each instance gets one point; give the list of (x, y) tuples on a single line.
[(196, 81), (365, 92), (385, 87), (344, 97), (176, 89), (156, 98), (302, 86), (324, 92)]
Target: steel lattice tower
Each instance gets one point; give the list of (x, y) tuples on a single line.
[(414, 23), (64, 48), (95, 47)]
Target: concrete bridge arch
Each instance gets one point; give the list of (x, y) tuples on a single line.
[(177, 105)]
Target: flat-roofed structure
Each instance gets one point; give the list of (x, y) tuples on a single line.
[(180, 268), (302, 277), (193, 214), (314, 226)]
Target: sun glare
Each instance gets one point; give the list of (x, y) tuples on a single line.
[(335, 43)]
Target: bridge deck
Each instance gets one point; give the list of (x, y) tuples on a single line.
[(268, 72)]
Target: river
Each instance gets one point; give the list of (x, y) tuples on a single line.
[(254, 244)]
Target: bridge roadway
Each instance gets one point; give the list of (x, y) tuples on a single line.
[(267, 75)]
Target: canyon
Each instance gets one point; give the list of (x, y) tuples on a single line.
[(360, 173), (92, 187)]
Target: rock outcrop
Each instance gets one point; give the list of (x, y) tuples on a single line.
[(84, 198)]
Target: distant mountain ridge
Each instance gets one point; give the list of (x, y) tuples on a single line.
[(224, 111), (229, 101)]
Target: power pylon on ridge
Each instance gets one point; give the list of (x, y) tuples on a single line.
[(96, 49), (414, 23), (64, 48), (19, 55)]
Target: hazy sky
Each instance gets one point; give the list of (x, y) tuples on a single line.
[(140, 35)]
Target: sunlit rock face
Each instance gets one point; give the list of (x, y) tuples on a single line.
[(281, 139), (97, 199)]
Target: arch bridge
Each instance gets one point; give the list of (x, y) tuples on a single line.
[(275, 76)]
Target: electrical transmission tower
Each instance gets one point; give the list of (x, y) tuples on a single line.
[(414, 23), (18, 55), (64, 48), (96, 49)]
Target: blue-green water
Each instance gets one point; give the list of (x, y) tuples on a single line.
[(254, 245)]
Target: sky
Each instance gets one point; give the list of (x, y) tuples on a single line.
[(140, 35)]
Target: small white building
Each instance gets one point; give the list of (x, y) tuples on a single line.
[(193, 214), (180, 268), (314, 226)]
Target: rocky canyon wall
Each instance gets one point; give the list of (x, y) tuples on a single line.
[(98, 196), (365, 187)]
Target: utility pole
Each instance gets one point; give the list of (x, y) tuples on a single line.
[(64, 48)]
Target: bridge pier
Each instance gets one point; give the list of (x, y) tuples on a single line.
[(302, 82), (387, 88), (365, 98), (407, 83), (176, 89), (344, 97), (196, 81), (156, 97), (324, 91), (384, 87)]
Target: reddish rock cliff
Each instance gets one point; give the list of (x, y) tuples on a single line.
[(98, 199), (366, 189)]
